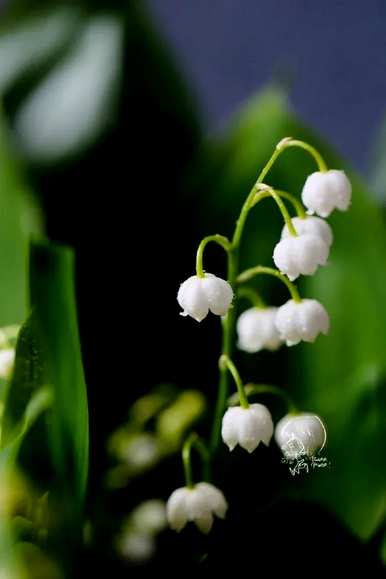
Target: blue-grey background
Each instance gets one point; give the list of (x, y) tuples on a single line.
[(332, 52)]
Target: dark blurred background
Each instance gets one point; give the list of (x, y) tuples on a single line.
[(118, 116)]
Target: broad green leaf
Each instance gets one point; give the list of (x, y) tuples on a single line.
[(54, 311), (341, 376)]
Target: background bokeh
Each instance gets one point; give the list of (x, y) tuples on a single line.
[(136, 129), (331, 55)]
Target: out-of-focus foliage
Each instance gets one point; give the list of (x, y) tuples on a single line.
[(137, 539), (19, 217), (378, 164), (73, 104), (157, 425), (341, 376), (54, 313), (47, 378)]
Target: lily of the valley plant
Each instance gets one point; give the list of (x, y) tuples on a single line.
[(304, 246)]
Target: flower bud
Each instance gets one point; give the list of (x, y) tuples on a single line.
[(198, 295), (304, 320), (256, 330), (310, 226), (247, 426), (300, 434), (196, 504), (324, 192), (300, 255)]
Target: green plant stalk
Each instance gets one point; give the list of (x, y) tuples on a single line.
[(275, 391), (261, 269), (226, 362), (193, 441), (252, 296)]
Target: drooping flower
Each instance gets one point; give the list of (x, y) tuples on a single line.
[(256, 330), (310, 225), (300, 255), (247, 426), (304, 320), (197, 504), (198, 295), (300, 434), (325, 191)]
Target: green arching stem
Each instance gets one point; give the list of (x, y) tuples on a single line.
[(226, 363), (220, 240), (286, 144), (260, 269), (193, 440), (270, 192), (251, 295), (228, 328), (298, 206), (275, 391)]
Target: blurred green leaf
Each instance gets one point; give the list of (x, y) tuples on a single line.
[(54, 311), (73, 103), (378, 163), (176, 419), (19, 217), (383, 549), (341, 376), (28, 44), (26, 379)]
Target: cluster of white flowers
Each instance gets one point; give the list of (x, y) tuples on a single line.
[(303, 253), (304, 246)]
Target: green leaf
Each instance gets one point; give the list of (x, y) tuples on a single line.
[(27, 378), (341, 376), (19, 217), (54, 311)]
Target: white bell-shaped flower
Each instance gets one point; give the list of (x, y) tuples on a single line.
[(324, 192), (197, 504), (256, 330), (300, 434), (247, 426), (300, 255), (304, 320), (310, 225), (198, 295)]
